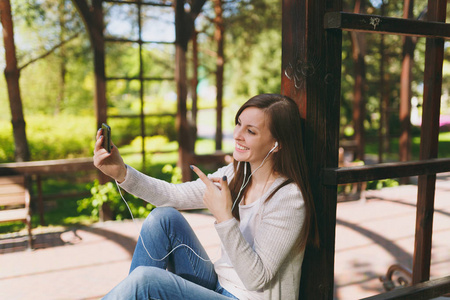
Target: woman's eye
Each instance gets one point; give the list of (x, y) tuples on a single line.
[(251, 132)]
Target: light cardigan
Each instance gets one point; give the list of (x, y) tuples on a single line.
[(274, 263)]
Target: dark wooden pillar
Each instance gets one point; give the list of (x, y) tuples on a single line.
[(434, 56), (93, 20), (220, 61), (359, 99), (181, 41), (311, 69), (184, 28), (405, 91), (194, 85)]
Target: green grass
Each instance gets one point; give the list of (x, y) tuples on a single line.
[(443, 148)]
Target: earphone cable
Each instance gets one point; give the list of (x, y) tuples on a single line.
[(142, 240)]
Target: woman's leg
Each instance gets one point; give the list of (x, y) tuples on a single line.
[(164, 230), (155, 283)]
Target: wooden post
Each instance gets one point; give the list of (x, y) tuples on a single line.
[(220, 61), (434, 56), (311, 75), (194, 85), (181, 41), (359, 101), (405, 92), (40, 200), (93, 20), (184, 28)]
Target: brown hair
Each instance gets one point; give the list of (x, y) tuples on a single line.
[(289, 160)]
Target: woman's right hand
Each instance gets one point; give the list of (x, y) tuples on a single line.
[(110, 164)]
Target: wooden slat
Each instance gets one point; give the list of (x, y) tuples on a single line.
[(150, 3), (13, 215), (12, 179), (335, 176), (426, 290), (385, 25), (11, 189), (12, 199), (48, 166)]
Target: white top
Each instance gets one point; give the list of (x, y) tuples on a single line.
[(263, 253), (228, 277)]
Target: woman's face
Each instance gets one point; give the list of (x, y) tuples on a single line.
[(252, 136)]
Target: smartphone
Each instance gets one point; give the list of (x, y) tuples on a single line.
[(106, 137)]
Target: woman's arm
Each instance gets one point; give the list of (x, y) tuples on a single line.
[(188, 195), (276, 236)]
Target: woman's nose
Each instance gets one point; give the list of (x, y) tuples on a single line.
[(237, 133)]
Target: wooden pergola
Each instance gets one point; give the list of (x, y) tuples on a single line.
[(311, 75)]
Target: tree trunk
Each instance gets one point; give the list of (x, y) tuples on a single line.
[(12, 75), (218, 37), (62, 58)]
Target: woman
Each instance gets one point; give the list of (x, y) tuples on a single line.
[(262, 205)]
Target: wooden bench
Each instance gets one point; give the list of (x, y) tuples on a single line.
[(15, 202)]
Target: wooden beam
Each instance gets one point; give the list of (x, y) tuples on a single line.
[(434, 56), (122, 40), (150, 3), (143, 78), (47, 166), (335, 176), (386, 25), (311, 69), (426, 290)]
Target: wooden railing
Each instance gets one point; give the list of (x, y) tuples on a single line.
[(425, 290), (335, 176), (35, 169)]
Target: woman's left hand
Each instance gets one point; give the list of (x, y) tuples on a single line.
[(217, 196)]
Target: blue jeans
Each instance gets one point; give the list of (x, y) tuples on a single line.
[(181, 275)]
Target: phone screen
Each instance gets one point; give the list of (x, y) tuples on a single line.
[(106, 137)]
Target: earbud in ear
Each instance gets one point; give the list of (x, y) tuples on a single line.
[(274, 147)]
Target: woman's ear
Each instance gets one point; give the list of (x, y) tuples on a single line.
[(275, 148)]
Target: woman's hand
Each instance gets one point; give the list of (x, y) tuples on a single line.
[(217, 197), (110, 164)]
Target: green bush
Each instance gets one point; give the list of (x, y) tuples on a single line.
[(379, 184), (109, 193), (69, 136), (7, 142)]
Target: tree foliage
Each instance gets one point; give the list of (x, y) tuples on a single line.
[(51, 35)]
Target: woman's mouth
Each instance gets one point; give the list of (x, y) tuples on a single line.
[(240, 147)]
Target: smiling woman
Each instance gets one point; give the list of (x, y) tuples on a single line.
[(262, 205)]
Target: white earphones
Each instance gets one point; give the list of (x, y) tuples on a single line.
[(245, 182), (274, 147)]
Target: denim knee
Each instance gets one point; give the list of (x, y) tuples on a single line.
[(159, 214), (142, 273)]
